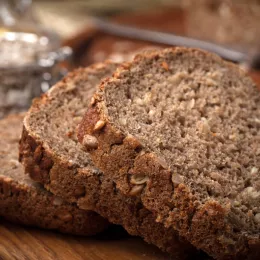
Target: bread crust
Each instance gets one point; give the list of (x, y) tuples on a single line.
[(119, 154), (24, 202), (92, 190)]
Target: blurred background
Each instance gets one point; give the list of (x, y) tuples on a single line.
[(41, 40), (75, 12)]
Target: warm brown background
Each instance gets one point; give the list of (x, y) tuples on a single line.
[(68, 17)]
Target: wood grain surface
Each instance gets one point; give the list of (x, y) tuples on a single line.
[(19, 243)]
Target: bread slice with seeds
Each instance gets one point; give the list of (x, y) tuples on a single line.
[(180, 130), (26, 202), (52, 155)]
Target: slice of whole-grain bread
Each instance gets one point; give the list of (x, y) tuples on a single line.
[(26, 202), (180, 130), (52, 155)]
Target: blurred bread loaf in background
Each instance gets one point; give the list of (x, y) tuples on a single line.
[(231, 22)]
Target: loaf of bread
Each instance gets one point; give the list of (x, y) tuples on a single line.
[(51, 155), (179, 129), (26, 202), (231, 22)]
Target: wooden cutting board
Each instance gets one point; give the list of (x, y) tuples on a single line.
[(19, 243)]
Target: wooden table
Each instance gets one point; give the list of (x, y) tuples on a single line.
[(19, 243)]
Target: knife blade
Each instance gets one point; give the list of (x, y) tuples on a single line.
[(251, 61)]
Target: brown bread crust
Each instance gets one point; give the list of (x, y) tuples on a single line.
[(91, 190), (25, 202), (117, 155)]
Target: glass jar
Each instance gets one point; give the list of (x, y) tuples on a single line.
[(30, 57)]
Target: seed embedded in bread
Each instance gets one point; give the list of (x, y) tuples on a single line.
[(80, 191), (90, 142), (162, 162), (92, 101), (64, 216), (177, 179), (99, 125), (136, 190), (254, 170), (138, 179), (57, 201), (257, 218), (165, 65)]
